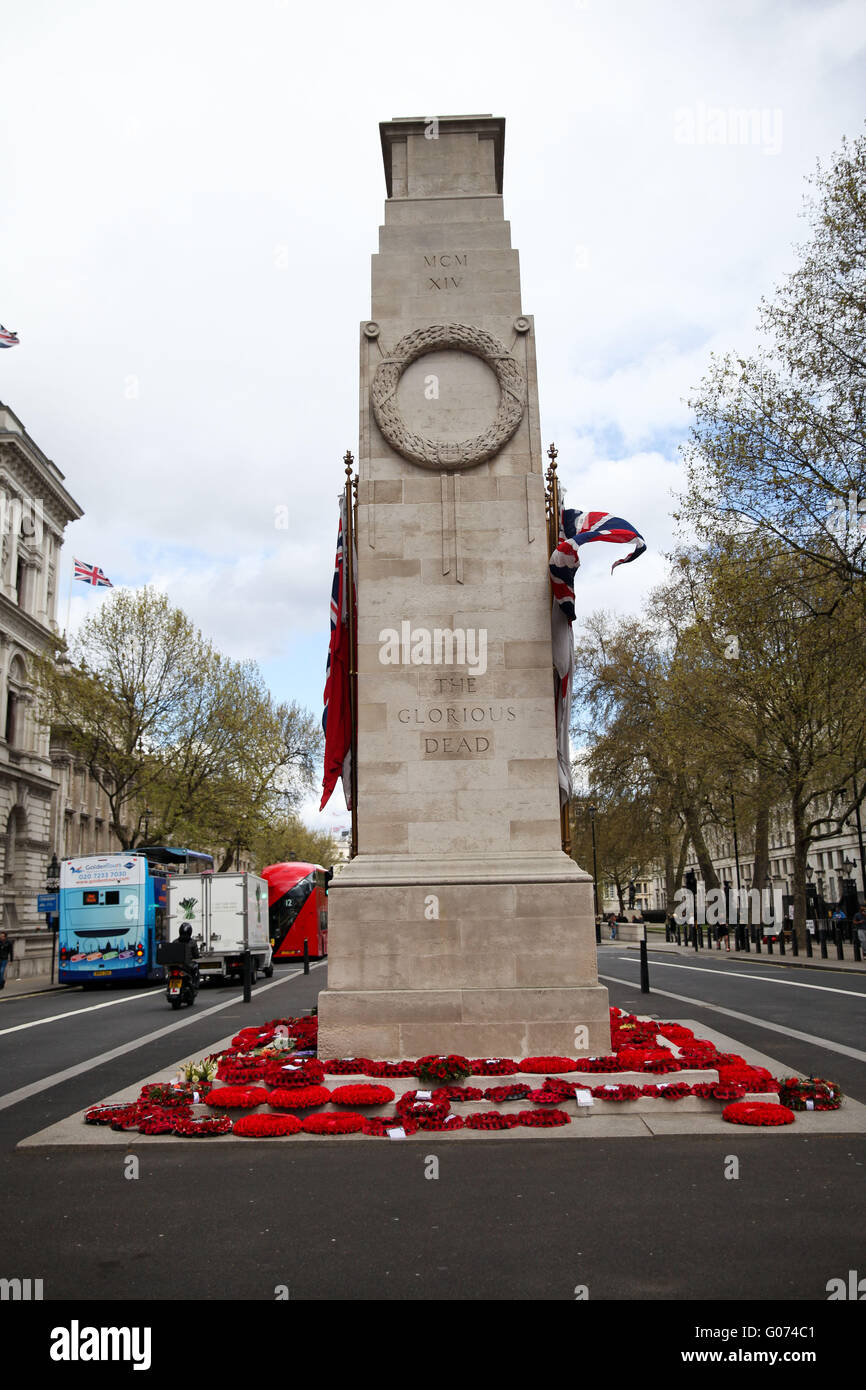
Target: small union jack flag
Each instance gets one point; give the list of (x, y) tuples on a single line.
[(580, 528), (92, 574), (8, 339)]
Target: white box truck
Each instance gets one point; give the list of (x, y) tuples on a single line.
[(228, 914)]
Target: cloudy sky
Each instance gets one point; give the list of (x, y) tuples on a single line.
[(190, 193)]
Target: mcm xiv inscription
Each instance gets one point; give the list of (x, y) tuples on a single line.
[(443, 261)]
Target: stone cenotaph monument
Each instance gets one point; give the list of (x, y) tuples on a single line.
[(460, 925)]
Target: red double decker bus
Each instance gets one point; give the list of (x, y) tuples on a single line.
[(297, 909)]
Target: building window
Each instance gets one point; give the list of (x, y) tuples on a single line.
[(11, 702)]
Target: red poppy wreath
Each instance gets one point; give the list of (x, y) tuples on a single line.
[(203, 1129), (266, 1126), (362, 1095), (755, 1112), (236, 1097), (491, 1119), (299, 1098), (334, 1124)]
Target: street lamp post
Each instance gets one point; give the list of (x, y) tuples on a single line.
[(849, 890), (811, 905), (768, 887), (843, 792), (594, 874), (738, 934), (860, 841), (52, 885)]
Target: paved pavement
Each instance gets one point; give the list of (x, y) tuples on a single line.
[(31, 985), (801, 961), (661, 1218)]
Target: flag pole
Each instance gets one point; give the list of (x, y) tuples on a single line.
[(69, 601), (553, 516), (349, 572)]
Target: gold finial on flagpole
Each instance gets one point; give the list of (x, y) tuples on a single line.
[(552, 491), (348, 459)]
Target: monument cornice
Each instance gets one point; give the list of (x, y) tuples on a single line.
[(546, 867), (487, 127)]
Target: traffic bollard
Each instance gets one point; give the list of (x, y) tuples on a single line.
[(808, 943), (840, 953), (823, 944), (306, 956), (795, 945), (644, 969), (782, 942), (246, 959)]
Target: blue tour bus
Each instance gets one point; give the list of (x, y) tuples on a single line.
[(114, 910)]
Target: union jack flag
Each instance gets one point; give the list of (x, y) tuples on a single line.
[(576, 529), (337, 717), (8, 338), (580, 528), (92, 574)]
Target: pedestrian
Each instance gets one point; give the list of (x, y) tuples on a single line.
[(6, 954), (611, 921), (859, 925), (723, 931)]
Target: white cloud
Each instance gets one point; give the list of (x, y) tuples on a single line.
[(189, 212)]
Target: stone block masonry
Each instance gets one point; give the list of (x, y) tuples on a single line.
[(460, 926)]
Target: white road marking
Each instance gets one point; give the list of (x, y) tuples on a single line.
[(740, 975), (759, 1022), (88, 1008), (24, 1092)]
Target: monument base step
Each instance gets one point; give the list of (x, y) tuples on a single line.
[(514, 1023)]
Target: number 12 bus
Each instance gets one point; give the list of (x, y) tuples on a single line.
[(297, 909), (113, 912)]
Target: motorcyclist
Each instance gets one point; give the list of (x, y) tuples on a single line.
[(185, 935)]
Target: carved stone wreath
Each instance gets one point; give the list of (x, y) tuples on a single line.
[(439, 453)]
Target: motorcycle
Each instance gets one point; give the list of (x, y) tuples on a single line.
[(182, 985)]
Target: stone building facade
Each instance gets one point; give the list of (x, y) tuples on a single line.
[(35, 509), (834, 859)]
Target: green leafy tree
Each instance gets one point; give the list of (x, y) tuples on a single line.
[(626, 836), (791, 707), (778, 445), (288, 838), (167, 723)]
